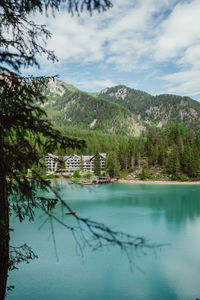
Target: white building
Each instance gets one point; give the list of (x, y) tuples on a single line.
[(51, 162), (84, 162), (102, 160), (74, 162)]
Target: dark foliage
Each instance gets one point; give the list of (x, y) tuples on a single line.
[(20, 254)]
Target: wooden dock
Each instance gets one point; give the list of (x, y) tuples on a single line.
[(103, 179)]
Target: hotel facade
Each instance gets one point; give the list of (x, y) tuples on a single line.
[(74, 162)]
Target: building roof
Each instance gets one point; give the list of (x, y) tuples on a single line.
[(52, 156), (85, 158), (71, 156), (103, 155)]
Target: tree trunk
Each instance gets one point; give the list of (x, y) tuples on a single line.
[(4, 232)]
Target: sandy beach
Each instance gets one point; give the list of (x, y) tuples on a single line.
[(157, 182)]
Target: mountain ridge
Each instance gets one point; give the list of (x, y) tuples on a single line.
[(156, 110), (72, 107), (117, 110)]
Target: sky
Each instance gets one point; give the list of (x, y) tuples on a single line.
[(150, 45)]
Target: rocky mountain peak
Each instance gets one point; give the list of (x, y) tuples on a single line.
[(120, 91), (56, 87)]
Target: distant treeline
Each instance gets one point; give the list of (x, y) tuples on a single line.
[(173, 149)]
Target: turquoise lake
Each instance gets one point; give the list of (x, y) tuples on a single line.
[(163, 214)]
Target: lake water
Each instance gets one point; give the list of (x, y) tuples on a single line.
[(161, 213)]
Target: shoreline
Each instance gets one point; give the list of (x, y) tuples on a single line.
[(131, 181), (137, 181)]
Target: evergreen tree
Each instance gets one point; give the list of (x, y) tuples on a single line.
[(109, 163), (145, 174), (173, 163), (186, 158), (112, 165), (81, 163), (174, 144), (161, 156), (61, 163), (24, 131), (190, 160), (38, 168), (25, 135), (117, 167), (97, 165), (153, 155)]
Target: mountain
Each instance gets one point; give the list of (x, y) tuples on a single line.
[(117, 110), (69, 107), (155, 110)]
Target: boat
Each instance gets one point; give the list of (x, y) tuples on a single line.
[(70, 213), (87, 183)]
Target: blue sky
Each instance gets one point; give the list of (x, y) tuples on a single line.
[(151, 45)]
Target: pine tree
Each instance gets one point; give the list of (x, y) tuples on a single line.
[(173, 164), (61, 164), (109, 163), (161, 156), (81, 163), (117, 167), (25, 133), (97, 165)]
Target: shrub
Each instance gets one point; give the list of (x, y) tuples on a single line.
[(67, 176), (145, 174), (76, 174), (179, 177), (87, 175)]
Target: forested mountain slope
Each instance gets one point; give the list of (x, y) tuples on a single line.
[(117, 110), (110, 120), (155, 110), (70, 107)]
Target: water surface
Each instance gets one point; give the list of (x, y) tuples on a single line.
[(161, 213)]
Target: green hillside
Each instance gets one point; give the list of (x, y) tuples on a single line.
[(155, 110), (70, 107), (117, 110), (147, 136)]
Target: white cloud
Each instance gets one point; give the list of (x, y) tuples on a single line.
[(122, 35), (184, 82), (178, 41), (94, 85), (135, 35), (179, 31), (72, 40), (191, 56)]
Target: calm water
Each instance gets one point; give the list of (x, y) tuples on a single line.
[(163, 214)]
